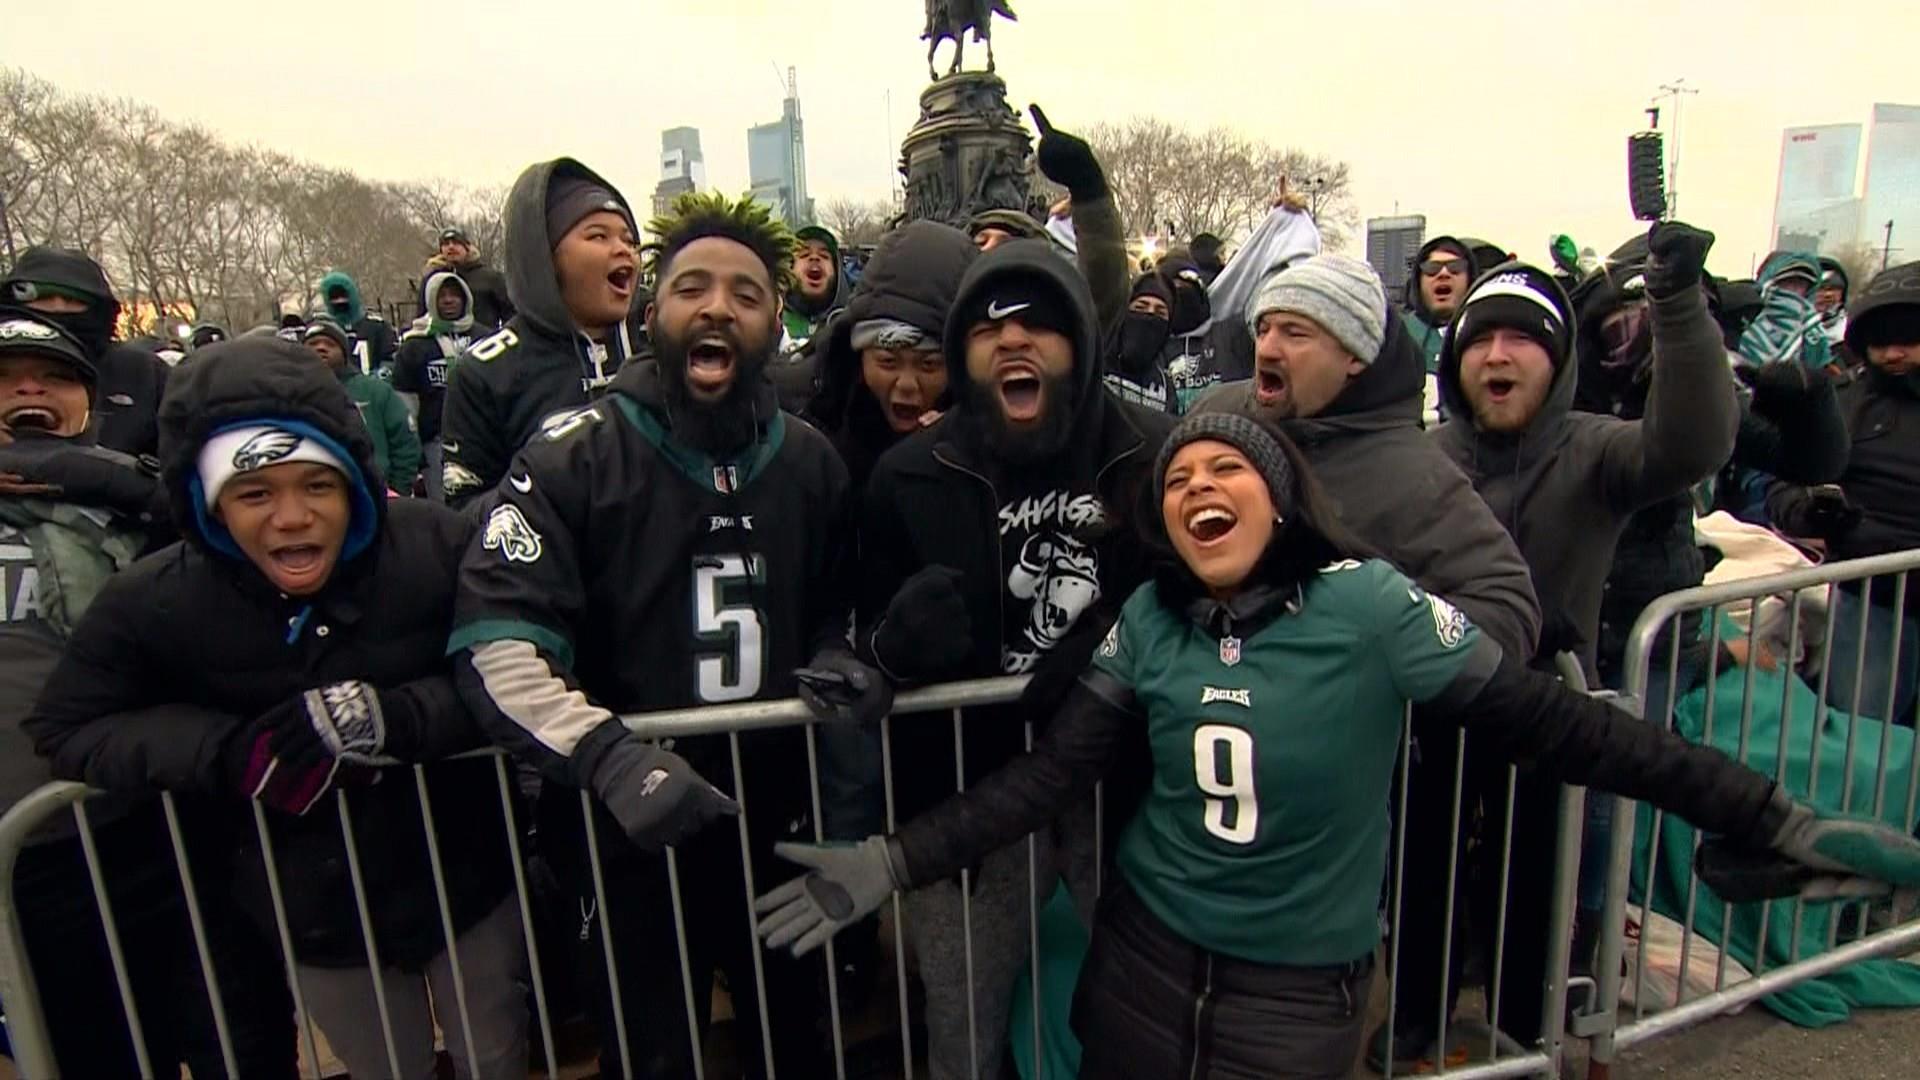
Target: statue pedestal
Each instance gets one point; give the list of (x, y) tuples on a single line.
[(968, 152)]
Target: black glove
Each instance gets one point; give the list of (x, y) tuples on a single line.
[(349, 721), (926, 630), (1829, 513), (658, 799), (841, 689), (1067, 160), (1676, 258)]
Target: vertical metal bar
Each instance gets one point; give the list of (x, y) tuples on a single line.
[(1888, 719), (746, 872), (1566, 884), (1399, 881), (899, 908), (1653, 845), (833, 963), (966, 903), (1444, 1020), (1746, 741), (1033, 925), (446, 912), (374, 967), (1813, 760), (1780, 753), (1500, 919), (527, 921), (699, 1046), (199, 924), (278, 899), (123, 982), (1853, 704), (606, 935), (1706, 738)]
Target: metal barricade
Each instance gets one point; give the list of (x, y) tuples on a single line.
[(1660, 629), (32, 1046)]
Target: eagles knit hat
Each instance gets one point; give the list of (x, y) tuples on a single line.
[(1519, 297), (1152, 283), (571, 198), (455, 233), (1027, 296), (1241, 433), (23, 330), (245, 449), (322, 326), (1343, 295)]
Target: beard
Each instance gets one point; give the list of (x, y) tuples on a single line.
[(988, 429), (730, 424)]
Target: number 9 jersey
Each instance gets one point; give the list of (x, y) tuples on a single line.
[(646, 575)]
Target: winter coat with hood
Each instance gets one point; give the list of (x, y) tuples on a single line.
[(539, 368), (1566, 486), (373, 338), (180, 653), (1398, 491), (428, 349), (912, 278), (491, 307), (1789, 426), (936, 499), (1428, 329), (126, 399)]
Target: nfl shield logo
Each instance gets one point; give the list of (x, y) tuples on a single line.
[(1229, 651), (726, 479)]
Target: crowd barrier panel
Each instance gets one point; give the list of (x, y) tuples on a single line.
[(32, 1047), (1658, 631)]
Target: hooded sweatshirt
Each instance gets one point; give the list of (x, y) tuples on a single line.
[(1426, 327), (1398, 492), (374, 341), (429, 347), (801, 317), (181, 652), (1565, 487), (132, 380), (1285, 237), (1046, 549), (539, 369), (491, 307)]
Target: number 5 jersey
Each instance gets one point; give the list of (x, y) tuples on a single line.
[(645, 575)]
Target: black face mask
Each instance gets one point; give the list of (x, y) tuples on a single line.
[(94, 327), (717, 428), (1142, 337)]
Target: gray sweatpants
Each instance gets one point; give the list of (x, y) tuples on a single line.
[(998, 911), (493, 961)]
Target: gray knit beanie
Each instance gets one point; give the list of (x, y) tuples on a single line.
[(1241, 433), (1343, 295)]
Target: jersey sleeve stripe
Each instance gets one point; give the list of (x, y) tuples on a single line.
[(483, 631)]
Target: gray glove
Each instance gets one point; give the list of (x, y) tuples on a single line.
[(658, 799), (848, 882), (1854, 856)]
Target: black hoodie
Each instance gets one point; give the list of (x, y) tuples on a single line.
[(1047, 550), (540, 368), (131, 380), (182, 651), (912, 279)]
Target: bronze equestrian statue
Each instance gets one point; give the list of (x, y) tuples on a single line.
[(949, 20)]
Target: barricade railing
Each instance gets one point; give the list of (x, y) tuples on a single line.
[(1869, 616), (32, 1046)]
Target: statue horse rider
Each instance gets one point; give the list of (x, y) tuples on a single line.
[(951, 19)]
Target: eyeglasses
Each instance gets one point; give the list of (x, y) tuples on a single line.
[(1434, 267)]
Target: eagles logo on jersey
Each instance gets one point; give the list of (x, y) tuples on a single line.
[(264, 449), (510, 535)]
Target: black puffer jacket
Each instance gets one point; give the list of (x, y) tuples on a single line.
[(182, 651)]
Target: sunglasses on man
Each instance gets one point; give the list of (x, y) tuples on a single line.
[(1434, 267)]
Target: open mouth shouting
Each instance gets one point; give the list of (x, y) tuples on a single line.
[(297, 565), (1269, 384), (1210, 524), (1022, 392), (32, 418), (1443, 293), (620, 282), (710, 364), (1499, 389)]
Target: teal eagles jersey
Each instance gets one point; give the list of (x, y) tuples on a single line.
[(1265, 833)]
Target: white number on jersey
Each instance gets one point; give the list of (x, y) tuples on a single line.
[(1232, 812), (734, 673)]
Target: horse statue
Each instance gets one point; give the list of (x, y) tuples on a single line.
[(949, 20)]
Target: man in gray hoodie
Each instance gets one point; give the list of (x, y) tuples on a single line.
[(1564, 484)]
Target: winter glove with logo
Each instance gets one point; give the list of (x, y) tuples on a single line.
[(658, 799), (926, 630), (1067, 160), (1812, 853), (347, 721), (847, 883), (841, 689), (1676, 258)]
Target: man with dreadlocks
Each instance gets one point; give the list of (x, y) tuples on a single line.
[(680, 542)]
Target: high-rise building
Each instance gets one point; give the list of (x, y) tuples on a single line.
[(777, 161), (682, 167), (1814, 209), (1392, 242), (1890, 207)]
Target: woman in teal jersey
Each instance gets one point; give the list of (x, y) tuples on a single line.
[(1269, 665)]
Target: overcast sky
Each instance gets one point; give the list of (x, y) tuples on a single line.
[(1500, 118)]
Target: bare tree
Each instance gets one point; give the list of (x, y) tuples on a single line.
[(856, 223), (1860, 261), (1168, 180)]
